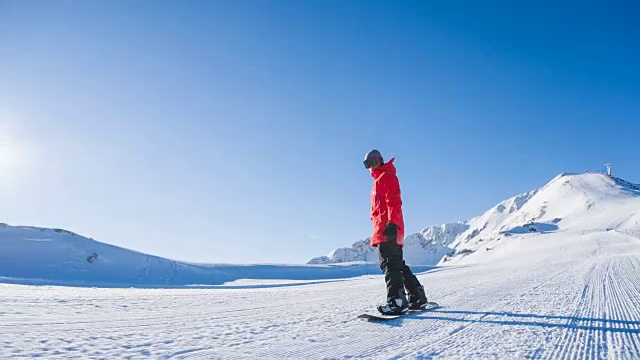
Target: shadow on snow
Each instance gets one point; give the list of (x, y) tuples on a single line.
[(570, 322)]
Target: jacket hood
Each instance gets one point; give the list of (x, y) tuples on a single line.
[(387, 167)]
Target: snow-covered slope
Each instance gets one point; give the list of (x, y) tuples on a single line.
[(570, 295), (30, 255), (569, 202)]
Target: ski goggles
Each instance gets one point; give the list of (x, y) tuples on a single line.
[(369, 163)]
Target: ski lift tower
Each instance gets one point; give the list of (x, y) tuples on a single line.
[(608, 169)]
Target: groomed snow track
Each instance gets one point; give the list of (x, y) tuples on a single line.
[(578, 302)]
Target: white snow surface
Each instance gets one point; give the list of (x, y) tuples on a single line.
[(568, 290), (567, 296)]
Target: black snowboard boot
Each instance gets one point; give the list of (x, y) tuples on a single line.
[(417, 298), (395, 306)]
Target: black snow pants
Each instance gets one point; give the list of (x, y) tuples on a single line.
[(397, 274)]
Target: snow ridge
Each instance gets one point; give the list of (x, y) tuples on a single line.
[(562, 204), (431, 243), (31, 255)]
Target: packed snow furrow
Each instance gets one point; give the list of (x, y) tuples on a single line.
[(625, 307), (618, 312), (442, 329), (393, 337), (410, 330), (564, 347), (254, 322), (252, 329), (589, 334), (306, 322), (466, 329), (529, 314), (187, 352), (613, 310), (593, 339), (155, 316), (605, 317)]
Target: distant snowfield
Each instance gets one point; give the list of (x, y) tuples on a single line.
[(37, 256), (568, 289)]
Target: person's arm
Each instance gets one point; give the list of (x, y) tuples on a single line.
[(391, 195)]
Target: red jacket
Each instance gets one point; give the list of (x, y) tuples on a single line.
[(386, 204)]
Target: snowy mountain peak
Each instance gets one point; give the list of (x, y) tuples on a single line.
[(569, 202)]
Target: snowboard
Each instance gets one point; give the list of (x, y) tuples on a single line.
[(377, 316)]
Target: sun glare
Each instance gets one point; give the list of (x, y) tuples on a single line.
[(12, 160), (9, 148), (7, 156)]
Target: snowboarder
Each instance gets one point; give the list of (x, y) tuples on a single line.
[(388, 235)]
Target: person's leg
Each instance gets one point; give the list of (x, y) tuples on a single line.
[(391, 264), (415, 290), (410, 280)]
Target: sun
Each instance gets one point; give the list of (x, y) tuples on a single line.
[(10, 150), (12, 162), (13, 148), (8, 156)]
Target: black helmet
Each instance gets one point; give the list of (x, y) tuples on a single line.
[(373, 158)]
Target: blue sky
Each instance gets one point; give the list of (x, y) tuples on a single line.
[(234, 131)]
